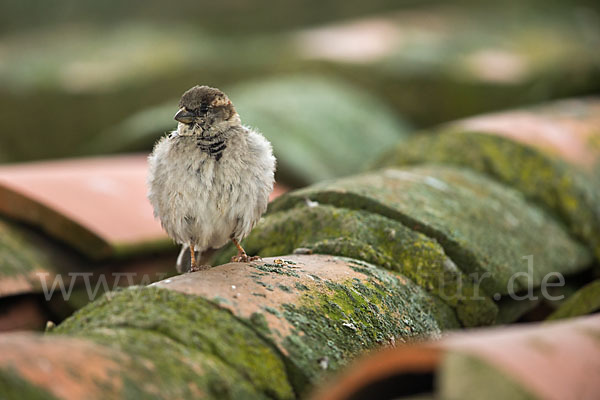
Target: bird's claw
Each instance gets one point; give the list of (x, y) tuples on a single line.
[(196, 268), (244, 258)]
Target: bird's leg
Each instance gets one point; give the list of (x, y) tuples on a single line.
[(241, 255), (193, 265)]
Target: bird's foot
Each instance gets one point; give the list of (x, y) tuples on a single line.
[(241, 255), (244, 258), (196, 268)]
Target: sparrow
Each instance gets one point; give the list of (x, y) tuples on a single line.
[(209, 181)]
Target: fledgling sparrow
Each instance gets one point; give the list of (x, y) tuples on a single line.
[(210, 180)]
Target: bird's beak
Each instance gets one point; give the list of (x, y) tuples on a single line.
[(184, 116)]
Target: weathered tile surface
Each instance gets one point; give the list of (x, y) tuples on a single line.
[(535, 361), (549, 153), (272, 326), (98, 206), (567, 129), (487, 229), (27, 259), (379, 240), (585, 301)]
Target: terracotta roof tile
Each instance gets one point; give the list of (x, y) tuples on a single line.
[(568, 129), (548, 361), (96, 205)]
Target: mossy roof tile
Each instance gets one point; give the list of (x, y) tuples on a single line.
[(550, 153), (568, 129), (489, 230)]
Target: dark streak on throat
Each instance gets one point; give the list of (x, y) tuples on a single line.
[(213, 148)]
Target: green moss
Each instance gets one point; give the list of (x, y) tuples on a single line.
[(187, 339), (565, 191), (161, 365), (284, 288), (445, 316), (15, 257), (181, 346), (336, 321), (464, 376), (487, 229), (275, 268), (14, 387), (267, 286), (376, 239), (259, 322), (23, 251), (585, 301), (272, 310)]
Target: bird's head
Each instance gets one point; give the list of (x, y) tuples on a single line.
[(203, 109)]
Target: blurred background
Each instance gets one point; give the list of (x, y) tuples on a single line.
[(82, 77), (331, 83)]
